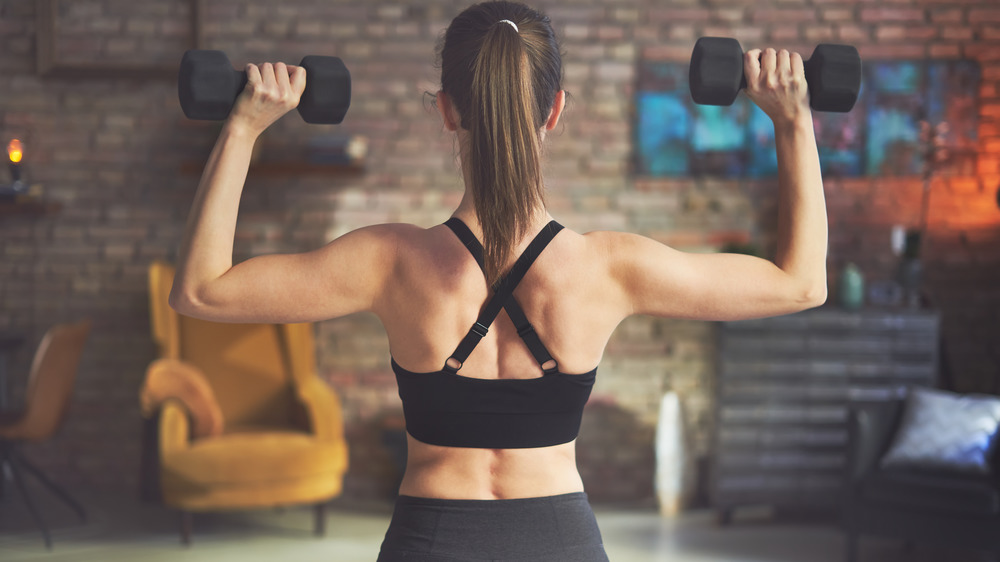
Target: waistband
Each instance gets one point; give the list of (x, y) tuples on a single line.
[(513, 503)]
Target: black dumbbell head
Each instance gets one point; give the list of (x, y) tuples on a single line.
[(207, 84), (833, 73), (716, 70), (328, 90)]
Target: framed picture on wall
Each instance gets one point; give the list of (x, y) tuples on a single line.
[(115, 38)]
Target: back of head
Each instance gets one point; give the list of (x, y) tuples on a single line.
[(501, 69)]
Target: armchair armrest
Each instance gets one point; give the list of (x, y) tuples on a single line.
[(326, 419), (175, 428), (870, 427), (173, 379)]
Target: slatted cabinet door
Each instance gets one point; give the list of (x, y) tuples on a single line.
[(783, 389)]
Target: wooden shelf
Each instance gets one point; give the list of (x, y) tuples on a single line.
[(29, 208), (285, 169)]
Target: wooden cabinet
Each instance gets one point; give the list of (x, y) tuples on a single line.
[(783, 390)]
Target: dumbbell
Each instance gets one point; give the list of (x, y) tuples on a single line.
[(208, 85), (833, 74)]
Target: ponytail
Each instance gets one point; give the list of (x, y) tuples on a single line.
[(504, 150), (503, 78)]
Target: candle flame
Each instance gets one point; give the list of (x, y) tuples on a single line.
[(14, 151)]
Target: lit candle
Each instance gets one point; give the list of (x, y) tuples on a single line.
[(15, 152)]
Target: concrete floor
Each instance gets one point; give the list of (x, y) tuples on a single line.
[(122, 529)]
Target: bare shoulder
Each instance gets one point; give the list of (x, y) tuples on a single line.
[(379, 243), (617, 250)]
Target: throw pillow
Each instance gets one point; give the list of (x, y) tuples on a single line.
[(942, 430)]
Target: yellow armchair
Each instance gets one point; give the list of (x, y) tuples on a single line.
[(280, 440)]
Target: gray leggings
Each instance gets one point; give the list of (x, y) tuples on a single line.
[(548, 529)]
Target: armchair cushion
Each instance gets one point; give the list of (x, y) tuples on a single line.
[(958, 493), (945, 431), (254, 458)]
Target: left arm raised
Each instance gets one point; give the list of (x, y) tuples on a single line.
[(345, 276)]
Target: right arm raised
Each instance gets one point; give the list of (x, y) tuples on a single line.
[(659, 280), (656, 279)]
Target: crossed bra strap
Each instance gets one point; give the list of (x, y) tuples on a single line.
[(503, 297)]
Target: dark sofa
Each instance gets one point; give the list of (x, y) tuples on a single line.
[(918, 507)]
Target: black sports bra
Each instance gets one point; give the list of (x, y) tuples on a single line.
[(445, 408)]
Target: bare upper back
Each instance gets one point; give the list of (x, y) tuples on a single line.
[(437, 291)]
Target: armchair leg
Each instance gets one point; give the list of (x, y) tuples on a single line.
[(52, 486), (320, 515), (19, 482), (187, 522)]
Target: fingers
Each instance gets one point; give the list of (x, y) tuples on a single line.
[(253, 74), (768, 62), (772, 67), (783, 63), (751, 65), (277, 80), (281, 77), (267, 74), (298, 79), (798, 66)]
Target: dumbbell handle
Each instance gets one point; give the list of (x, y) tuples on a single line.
[(806, 64), (809, 66), (833, 74), (325, 99)]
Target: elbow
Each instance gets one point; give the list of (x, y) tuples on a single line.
[(814, 296), (184, 302)]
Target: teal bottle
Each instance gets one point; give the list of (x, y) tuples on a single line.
[(852, 287)]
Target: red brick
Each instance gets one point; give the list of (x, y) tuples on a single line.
[(890, 33), (982, 51), (853, 34), (891, 51), (667, 53), (988, 166), (837, 14), (948, 15), (964, 185), (820, 34), (671, 15), (981, 15), (784, 16), (728, 14), (892, 14), (784, 34), (989, 32), (956, 33), (610, 32), (991, 71), (945, 50)]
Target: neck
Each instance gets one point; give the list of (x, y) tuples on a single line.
[(466, 211)]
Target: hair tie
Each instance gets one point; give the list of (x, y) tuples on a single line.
[(512, 24)]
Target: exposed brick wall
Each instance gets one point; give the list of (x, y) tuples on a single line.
[(110, 150)]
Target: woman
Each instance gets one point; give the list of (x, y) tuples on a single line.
[(491, 468)]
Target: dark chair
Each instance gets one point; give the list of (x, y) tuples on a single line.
[(50, 386), (918, 507)]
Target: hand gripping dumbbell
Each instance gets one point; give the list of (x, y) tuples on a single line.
[(208, 86), (833, 74)]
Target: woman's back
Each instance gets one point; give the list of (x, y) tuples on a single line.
[(436, 296)]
